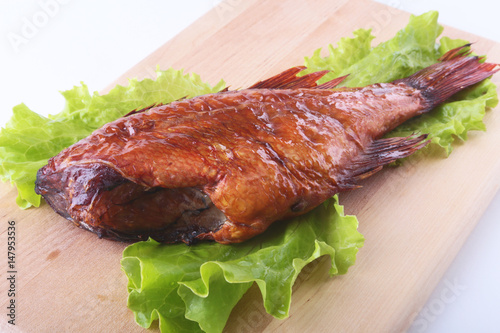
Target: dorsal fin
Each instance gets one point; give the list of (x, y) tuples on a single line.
[(275, 82), (332, 83), (143, 109), (306, 81), (289, 80)]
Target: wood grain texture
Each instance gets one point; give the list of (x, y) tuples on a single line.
[(415, 218)]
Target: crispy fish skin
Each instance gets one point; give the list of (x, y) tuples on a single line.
[(225, 166)]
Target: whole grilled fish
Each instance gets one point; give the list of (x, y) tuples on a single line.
[(225, 166)]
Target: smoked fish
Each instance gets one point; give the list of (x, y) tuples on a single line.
[(225, 166)]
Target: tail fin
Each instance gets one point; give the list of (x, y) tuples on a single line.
[(456, 71)]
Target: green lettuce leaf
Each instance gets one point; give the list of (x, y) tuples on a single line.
[(186, 286), (29, 139)]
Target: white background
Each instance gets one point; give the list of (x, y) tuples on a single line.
[(96, 41)]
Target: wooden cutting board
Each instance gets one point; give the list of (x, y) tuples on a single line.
[(415, 218)]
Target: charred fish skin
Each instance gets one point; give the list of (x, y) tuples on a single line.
[(225, 166)]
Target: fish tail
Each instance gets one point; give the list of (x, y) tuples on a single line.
[(456, 71)]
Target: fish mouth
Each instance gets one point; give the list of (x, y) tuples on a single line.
[(98, 198)]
